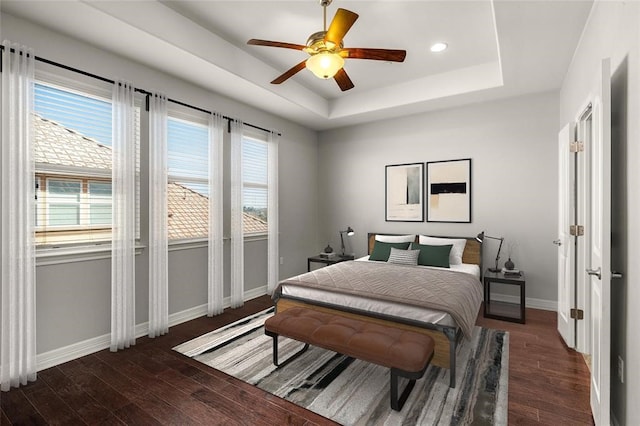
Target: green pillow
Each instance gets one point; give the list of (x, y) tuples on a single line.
[(433, 255), (382, 250)]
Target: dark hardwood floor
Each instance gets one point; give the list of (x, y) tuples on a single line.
[(151, 384)]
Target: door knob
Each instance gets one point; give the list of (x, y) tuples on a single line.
[(616, 275), (557, 242), (595, 272)]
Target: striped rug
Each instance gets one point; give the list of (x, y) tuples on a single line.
[(353, 392)]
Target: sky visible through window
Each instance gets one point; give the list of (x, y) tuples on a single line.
[(70, 110)]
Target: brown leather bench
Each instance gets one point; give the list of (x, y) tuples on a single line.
[(405, 352)]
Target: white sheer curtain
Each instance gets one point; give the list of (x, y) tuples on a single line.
[(272, 210), (123, 214), (237, 235), (158, 227), (18, 329), (216, 272)]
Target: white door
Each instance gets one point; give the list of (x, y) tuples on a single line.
[(566, 287), (600, 241)]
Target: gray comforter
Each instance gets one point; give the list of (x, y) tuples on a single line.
[(455, 293)]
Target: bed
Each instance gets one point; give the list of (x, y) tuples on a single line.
[(375, 292)]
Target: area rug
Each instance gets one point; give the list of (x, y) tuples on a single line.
[(354, 392)]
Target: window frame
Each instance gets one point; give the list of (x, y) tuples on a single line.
[(64, 252)]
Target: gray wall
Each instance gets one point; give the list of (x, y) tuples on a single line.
[(512, 145), (613, 32), (73, 299)]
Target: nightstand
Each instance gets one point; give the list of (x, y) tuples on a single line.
[(326, 260), (502, 310)]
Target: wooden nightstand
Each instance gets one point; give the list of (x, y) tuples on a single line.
[(327, 261), (502, 310)]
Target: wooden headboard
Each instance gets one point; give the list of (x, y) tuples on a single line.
[(472, 250)]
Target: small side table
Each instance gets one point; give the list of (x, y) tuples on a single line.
[(502, 310), (326, 260)]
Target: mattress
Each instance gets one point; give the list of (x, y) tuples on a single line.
[(390, 308)]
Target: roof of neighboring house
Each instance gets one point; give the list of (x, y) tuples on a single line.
[(188, 210), (70, 148)]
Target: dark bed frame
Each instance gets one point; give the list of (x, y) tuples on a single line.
[(446, 337)]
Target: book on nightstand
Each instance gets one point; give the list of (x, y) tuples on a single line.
[(328, 255), (510, 272)]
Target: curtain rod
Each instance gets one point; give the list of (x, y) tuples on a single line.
[(142, 91)]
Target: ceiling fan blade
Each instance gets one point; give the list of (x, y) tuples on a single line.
[(342, 22), (258, 42), (290, 73), (374, 54), (343, 80)]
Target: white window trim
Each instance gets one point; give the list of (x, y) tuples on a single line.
[(58, 255)]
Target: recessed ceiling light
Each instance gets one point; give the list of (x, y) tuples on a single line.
[(438, 47)]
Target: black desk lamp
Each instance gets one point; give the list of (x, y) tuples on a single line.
[(480, 238), (349, 231)]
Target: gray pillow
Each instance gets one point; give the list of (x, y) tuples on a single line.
[(403, 257)]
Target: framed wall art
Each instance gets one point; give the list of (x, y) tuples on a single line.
[(449, 191), (404, 192)]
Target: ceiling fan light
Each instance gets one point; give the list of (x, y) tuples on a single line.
[(325, 64), (439, 47)]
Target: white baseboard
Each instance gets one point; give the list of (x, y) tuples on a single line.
[(86, 347), (71, 352), (530, 302)]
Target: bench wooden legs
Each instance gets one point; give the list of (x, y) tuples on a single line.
[(275, 351)]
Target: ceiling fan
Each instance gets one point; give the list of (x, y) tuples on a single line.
[(326, 50)]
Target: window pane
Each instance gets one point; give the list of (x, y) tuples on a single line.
[(61, 190), (73, 137), (188, 187), (188, 210), (254, 161), (188, 149), (99, 190), (254, 191), (63, 199), (64, 214), (100, 214), (255, 200), (87, 115)]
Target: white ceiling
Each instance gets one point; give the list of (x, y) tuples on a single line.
[(496, 49)]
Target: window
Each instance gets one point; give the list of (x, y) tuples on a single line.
[(72, 150), (63, 203), (188, 185), (254, 185)]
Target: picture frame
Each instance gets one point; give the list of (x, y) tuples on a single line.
[(404, 192), (449, 191)]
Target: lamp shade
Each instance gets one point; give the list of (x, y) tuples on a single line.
[(350, 231), (325, 64)]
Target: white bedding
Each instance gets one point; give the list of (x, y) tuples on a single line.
[(382, 307)]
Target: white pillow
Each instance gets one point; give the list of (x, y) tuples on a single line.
[(455, 255), (396, 238), (403, 257)]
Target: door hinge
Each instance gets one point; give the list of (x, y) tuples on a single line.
[(576, 230), (576, 146), (577, 314)]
